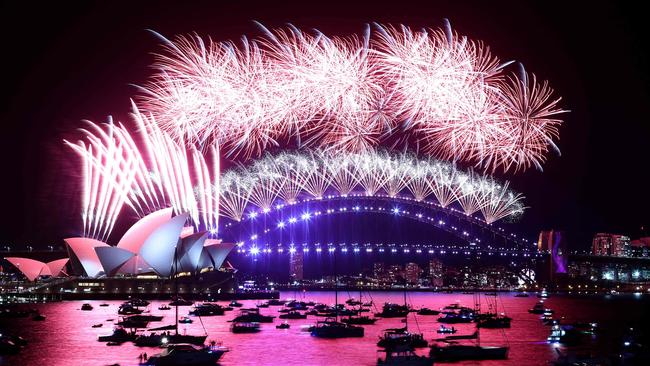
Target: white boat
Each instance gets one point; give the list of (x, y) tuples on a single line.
[(186, 355)]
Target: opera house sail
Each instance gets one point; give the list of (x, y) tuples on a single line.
[(153, 253)]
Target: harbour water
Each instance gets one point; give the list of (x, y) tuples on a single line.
[(67, 337)]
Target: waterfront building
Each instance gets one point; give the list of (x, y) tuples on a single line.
[(611, 245), (436, 273), (296, 265), (412, 274), (640, 247)]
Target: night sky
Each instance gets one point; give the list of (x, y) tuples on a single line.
[(64, 63)]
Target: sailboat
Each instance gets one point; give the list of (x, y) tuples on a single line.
[(359, 319), (401, 337), (154, 339), (459, 352), (331, 327), (492, 319)]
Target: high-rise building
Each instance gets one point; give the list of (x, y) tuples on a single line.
[(395, 274), (611, 245), (296, 265), (436, 272), (554, 243), (412, 273), (640, 247), (378, 269)]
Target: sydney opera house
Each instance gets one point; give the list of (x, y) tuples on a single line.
[(157, 255)]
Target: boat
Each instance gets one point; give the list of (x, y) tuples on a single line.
[(207, 309), (137, 302), (347, 312), (445, 330), (390, 310), (456, 318), (451, 350), (185, 320), (459, 352), (99, 325), (293, 315), (490, 294), (103, 304), (353, 302), (547, 319), (494, 322), (158, 339), (146, 317), (166, 337), (178, 301), (252, 316), (130, 323), (119, 335), (86, 307), (276, 302), (397, 337), (359, 320), (540, 309), (114, 343), (38, 317), (522, 294), (296, 305), (128, 309), (568, 335), (263, 305), (181, 354), (460, 336), (164, 307), (282, 326), (404, 356), (235, 304), (245, 327), (330, 328), (427, 311), (454, 306)]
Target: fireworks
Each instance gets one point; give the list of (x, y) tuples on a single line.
[(430, 91), (433, 89), (314, 173), (116, 173)]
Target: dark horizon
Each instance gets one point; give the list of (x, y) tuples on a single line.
[(69, 62)]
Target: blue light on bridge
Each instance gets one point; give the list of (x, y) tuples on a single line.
[(292, 220), (254, 250), (305, 216), (252, 215), (281, 224)]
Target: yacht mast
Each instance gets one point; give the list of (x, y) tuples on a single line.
[(176, 288)]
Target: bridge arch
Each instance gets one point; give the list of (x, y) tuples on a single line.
[(472, 232)]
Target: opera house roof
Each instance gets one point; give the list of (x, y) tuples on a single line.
[(159, 244)]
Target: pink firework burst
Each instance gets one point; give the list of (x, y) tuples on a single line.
[(432, 87)]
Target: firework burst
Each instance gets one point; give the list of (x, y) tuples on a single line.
[(434, 89)]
